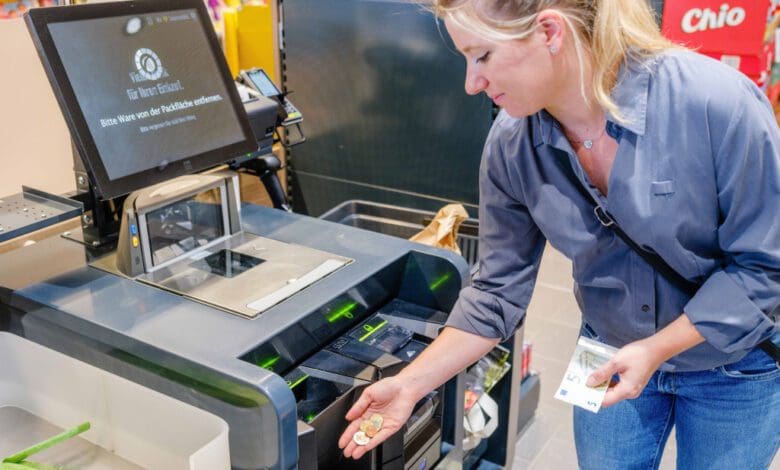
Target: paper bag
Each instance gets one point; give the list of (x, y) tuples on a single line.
[(442, 232)]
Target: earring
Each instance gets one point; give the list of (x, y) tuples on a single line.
[(553, 49)]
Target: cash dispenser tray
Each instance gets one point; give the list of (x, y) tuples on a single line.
[(422, 433), (322, 403), (389, 340), (328, 382)]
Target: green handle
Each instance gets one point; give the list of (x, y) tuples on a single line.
[(13, 466), (22, 455), (26, 465)]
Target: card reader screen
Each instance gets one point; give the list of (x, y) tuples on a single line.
[(263, 83)]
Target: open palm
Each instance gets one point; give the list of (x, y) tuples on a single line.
[(387, 398)]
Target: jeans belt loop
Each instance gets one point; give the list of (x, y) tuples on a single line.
[(603, 217)]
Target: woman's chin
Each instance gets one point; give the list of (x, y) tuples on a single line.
[(515, 112)]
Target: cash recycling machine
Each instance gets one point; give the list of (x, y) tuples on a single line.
[(272, 320)]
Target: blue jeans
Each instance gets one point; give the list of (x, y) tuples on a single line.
[(725, 418)]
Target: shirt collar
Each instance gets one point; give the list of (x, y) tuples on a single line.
[(630, 95)]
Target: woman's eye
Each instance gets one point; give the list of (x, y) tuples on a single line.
[(483, 57)]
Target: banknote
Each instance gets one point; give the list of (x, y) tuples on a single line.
[(588, 356)]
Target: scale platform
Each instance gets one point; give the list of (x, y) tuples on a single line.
[(33, 210), (246, 274)]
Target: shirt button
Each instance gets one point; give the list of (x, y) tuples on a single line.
[(645, 308)]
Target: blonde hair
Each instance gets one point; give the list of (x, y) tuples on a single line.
[(608, 31)]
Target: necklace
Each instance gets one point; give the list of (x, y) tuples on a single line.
[(587, 143)]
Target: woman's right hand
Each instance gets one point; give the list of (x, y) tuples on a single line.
[(389, 398)]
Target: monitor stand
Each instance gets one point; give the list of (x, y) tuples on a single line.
[(100, 222)]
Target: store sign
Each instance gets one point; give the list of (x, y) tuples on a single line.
[(698, 19), (728, 27)]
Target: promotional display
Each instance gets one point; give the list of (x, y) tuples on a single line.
[(738, 33), (10, 9)]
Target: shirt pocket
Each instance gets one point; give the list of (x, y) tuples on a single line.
[(662, 188)]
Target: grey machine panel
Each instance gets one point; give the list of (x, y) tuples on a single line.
[(387, 117), (215, 360), (32, 210)]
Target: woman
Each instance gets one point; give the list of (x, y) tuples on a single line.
[(683, 152)]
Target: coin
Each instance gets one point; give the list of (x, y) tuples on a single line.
[(360, 438), (371, 430), (377, 420)]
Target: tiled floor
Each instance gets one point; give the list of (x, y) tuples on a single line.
[(552, 325)]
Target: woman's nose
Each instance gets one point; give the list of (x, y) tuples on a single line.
[(475, 84)]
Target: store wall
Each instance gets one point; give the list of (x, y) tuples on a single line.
[(380, 87), (34, 141)]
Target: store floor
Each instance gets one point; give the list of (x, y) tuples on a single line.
[(553, 325)]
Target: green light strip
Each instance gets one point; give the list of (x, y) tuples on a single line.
[(298, 382), (345, 311), (269, 363), (441, 280), (373, 330)]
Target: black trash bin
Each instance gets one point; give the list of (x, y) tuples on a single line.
[(402, 222)]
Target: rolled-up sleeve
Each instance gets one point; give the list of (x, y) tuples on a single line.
[(510, 248), (733, 308)]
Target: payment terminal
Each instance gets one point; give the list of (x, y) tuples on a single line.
[(259, 81)]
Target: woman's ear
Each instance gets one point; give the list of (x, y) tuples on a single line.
[(553, 26)]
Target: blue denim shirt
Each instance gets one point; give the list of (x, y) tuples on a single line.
[(696, 178)]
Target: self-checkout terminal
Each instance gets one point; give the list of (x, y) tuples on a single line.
[(272, 320)]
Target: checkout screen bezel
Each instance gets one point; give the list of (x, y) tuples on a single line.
[(38, 19)]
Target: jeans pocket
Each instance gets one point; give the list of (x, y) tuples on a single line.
[(756, 365)]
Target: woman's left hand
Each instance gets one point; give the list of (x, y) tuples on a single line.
[(634, 364)]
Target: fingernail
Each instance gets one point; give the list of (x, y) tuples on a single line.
[(591, 382)]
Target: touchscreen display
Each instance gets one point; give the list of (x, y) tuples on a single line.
[(149, 87)]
